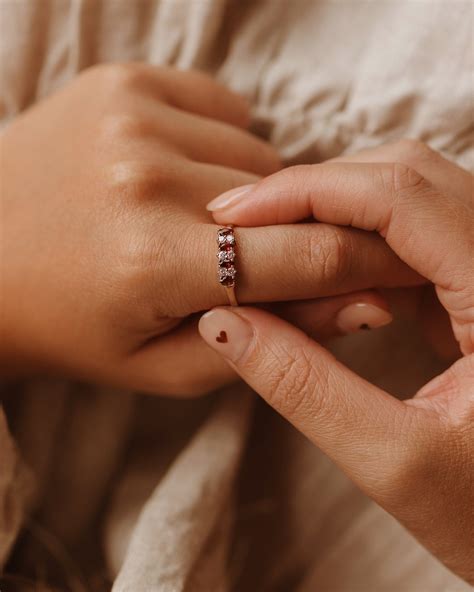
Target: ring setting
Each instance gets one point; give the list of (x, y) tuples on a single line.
[(226, 256)]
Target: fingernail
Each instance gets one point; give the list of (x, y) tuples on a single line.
[(228, 198), (362, 316), (226, 332)]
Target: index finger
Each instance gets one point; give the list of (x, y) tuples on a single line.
[(429, 230), (442, 173)]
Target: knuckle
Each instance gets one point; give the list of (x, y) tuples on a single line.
[(135, 181), (288, 377), (402, 185), (331, 255), (291, 377), (405, 179), (293, 180), (122, 126), (402, 182), (120, 76)]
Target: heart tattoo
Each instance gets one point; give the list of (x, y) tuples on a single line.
[(222, 337)]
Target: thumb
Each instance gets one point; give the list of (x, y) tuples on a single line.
[(355, 423)]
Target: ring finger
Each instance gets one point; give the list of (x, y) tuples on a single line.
[(280, 263)]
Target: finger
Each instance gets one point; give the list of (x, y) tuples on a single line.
[(437, 327), (204, 181), (443, 174), (348, 418), (274, 263), (206, 140), (430, 230), (324, 318), (278, 263), (394, 451), (161, 177), (392, 199), (180, 364), (193, 91), (176, 364)]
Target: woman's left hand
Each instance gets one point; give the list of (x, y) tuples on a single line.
[(416, 457), (107, 251)]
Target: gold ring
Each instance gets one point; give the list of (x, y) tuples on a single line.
[(226, 261)]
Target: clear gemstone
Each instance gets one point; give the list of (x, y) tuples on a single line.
[(226, 256), (225, 236), (227, 274)]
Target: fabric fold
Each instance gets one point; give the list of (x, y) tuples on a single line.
[(189, 506)]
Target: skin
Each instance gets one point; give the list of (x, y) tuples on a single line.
[(416, 457), (108, 251)]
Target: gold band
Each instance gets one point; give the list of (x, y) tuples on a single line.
[(231, 296), (226, 255)]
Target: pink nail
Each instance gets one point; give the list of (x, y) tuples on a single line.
[(228, 198), (226, 332), (361, 316)]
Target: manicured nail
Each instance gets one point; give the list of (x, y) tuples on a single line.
[(226, 332), (362, 316), (228, 198)]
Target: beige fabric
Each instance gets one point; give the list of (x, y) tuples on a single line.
[(159, 486)]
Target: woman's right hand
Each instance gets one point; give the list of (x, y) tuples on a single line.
[(413, 457), (108, 248)]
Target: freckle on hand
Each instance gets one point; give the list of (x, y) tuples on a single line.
[(222, 337)]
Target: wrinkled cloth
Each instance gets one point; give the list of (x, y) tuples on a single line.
[(148, 494)]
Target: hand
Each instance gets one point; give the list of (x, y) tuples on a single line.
[(107, 248), (415, 457)]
